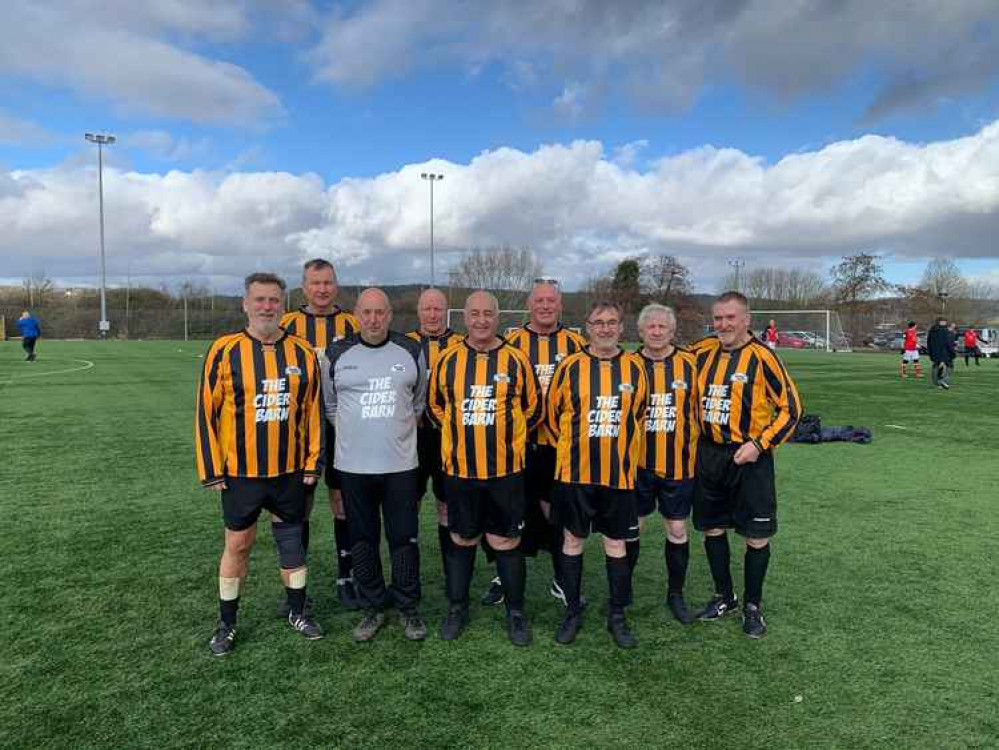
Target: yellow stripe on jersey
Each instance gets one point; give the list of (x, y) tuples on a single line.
[(596, 411), (545, 351), (672, 421), (258, 409), (746, 394), (485, 403), (433, 345), (320, 330)]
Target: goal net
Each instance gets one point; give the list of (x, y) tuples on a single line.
[(804, 329)]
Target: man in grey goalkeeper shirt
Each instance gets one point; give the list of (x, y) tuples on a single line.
[(375, 389)]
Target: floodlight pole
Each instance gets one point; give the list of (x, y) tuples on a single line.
[(102, 140), (738, 264), (431, 177)]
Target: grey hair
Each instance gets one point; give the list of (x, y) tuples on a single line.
[(655, 308)]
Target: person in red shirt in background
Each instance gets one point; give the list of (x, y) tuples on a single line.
[(770, 336), (910, 349), (971, 348)]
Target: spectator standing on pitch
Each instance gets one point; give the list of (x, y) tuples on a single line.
[(485, 396), (940, 345), (771, 336), (321, 322), (258, 439), (666, 472), (434, 337), (546, 343), (596, 411), (749, 406), (376, 391), (30, 330), (971, 347), (910, 349)]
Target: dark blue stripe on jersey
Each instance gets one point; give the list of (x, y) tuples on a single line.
[(211, 380), (596, 460), (492, 367), (573, 375), (508, 427), (690, 378), (261, 427), (746, 417), (239, 401), (284, 427), (310, 330)]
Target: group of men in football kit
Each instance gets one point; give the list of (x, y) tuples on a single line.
[(530, 441)]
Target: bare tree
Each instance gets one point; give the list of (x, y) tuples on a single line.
[(942, 278), (664, 278), (857, 280), (506, 271), (791, 287), (36, 289)]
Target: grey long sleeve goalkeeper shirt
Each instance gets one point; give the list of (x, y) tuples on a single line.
[(374, 396)]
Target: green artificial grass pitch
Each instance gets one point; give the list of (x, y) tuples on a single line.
[(880, 598)]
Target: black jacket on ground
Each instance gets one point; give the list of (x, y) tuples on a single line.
[(938, 342)]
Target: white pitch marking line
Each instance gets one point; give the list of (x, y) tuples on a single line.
[(87, 364), (896, 427)]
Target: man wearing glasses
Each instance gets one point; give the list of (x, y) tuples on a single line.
[(596, 412)]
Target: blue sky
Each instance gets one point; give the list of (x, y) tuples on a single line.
[(260, 133)]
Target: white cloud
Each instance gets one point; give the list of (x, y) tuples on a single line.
[(580, 210), (627, 156), (665, 53), (571, 104), (127, 53), (163, 146), (17, 132)]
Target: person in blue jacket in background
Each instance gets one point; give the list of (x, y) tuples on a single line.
[(30, 330)]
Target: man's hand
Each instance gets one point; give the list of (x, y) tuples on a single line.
[(336, 502), (308, 480), (747, 454), (218, 486)]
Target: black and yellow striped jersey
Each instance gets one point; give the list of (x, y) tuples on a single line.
[(746, 394), (485, 404), (433, 345), (320, 330), (545, 351), (672, 424), (596, 412), (259, 410)]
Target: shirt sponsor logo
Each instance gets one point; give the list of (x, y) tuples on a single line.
[(739, 377), (292, 370)]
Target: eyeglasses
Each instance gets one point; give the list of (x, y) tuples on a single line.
[(545, 280), (603, 323)]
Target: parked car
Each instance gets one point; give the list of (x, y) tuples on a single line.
[(789, 341), (812, 340)]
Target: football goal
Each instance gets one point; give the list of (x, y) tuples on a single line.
[(805, 329)]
